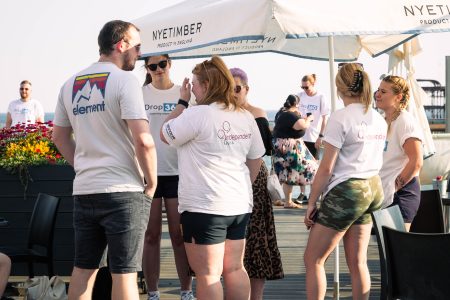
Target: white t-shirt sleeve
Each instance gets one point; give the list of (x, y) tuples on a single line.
[(183, 128), (39, 110), (409, 130), (61, 117), (257, 148), (334, 133), (324, 106), (132, 105)]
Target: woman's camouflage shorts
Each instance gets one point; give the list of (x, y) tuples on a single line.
[(351, 202)]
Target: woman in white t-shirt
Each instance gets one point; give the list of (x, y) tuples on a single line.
[(160, 97), (402, 158), (348, 178), (219, 155)]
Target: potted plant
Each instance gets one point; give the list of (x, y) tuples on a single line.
[(30, 163)]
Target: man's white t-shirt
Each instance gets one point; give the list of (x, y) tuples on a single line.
[(394, 156), (25, 111), (96, 103), (213, 144), (318, 107), (361, 138), (158, 105)]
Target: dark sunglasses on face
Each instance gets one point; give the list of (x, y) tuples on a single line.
[(238, 89), (152, 67), (305, 88)]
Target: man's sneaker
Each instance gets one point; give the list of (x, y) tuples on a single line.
[(153, 295), (186, 295)]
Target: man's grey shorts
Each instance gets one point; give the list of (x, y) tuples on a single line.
[(116, 219)]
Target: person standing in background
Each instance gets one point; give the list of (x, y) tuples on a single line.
[(101, 129), (402, 157), (26, 109), (160, 97), (262, 259), (312, 102)]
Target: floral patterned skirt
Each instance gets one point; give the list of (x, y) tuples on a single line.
[(293, 162)]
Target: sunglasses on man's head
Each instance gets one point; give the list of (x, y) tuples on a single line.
[(152, 67)]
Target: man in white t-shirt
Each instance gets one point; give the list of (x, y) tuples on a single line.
[(102, 130), (24, 110)]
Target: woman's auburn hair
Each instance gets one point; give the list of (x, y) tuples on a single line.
[(220, 83)]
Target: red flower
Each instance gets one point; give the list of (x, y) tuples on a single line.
[(439, 177)]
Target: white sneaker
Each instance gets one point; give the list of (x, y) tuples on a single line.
[(153, 295), (187, 295)]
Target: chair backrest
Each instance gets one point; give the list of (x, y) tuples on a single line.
[(42, 222), (389, 217), (430, 216), (418, 264)]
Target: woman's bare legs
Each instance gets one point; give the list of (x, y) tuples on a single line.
[(321, 242), (356, 241), (176, 237), (257, 288), (235, 277), (152, 246), (207, 263)]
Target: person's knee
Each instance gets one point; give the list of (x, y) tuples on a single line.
[(356, 263), (176, 237), (232, 266), (5, 261), (152, 236)]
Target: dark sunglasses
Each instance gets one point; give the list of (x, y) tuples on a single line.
[(24, 89), (357, 63), (305, 88), (238, 88), (152, 67)]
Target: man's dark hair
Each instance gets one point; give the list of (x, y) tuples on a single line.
[(112, 33)]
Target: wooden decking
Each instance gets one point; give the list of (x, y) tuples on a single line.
[(292, 237)]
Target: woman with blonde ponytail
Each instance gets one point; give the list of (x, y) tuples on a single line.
[(349, 182), (402, 158)]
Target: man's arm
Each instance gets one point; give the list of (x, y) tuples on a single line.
[(145, 152), (8, 120), (63, 139)]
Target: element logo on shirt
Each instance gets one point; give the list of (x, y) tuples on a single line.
[(229, 138), (89, 87)]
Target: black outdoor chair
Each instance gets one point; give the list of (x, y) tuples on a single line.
[(390, 217), (418, 264), (430, 216), (39, 248)]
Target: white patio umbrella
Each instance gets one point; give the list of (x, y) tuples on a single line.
[(401, 64), (320, 29)]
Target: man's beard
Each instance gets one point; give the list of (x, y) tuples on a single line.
[(128, 62)]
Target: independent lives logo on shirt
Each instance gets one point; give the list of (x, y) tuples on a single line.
[(228, 138)]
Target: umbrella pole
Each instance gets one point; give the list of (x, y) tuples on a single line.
[(333, 108)]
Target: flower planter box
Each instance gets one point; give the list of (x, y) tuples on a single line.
[(16, 206)]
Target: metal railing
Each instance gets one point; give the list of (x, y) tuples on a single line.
[(435, 111)]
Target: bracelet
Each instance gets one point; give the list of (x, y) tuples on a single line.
[(183, 102), (320, 135)]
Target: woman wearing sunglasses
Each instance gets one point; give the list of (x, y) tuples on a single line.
[(161, 96), (262, 258), (219, 150), (402, 158), (313, 102), (349, 182)]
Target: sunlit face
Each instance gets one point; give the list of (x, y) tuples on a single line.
[(241, 90), (385, 98), (25, 91), (308, 88), (133, 49), (198, 89), (162, 64)]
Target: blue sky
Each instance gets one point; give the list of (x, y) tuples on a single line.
[(47, 41)]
